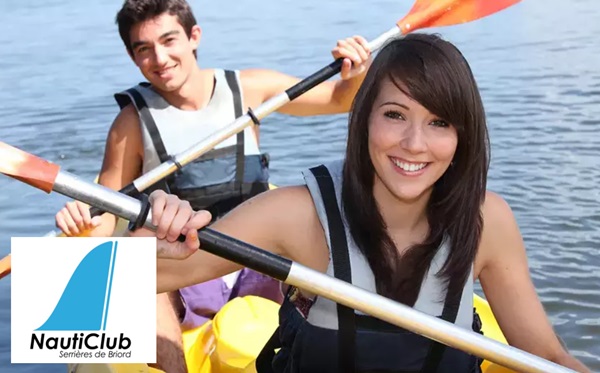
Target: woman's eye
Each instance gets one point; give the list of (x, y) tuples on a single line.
[(440, 123), (393, 115)]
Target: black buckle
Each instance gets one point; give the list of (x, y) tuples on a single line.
[(177, 164), (253, 117), (142, 216)]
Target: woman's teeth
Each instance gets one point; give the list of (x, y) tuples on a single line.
[(410, 167)]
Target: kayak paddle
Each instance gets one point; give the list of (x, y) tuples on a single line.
[(49, 177), (423, 14)]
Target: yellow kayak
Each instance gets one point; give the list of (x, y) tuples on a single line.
[(233, 339)]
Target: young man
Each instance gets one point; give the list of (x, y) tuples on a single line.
[(161, 37)]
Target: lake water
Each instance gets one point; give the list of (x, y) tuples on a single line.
[(537, 64)]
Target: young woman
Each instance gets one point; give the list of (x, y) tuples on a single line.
[(405, 214)]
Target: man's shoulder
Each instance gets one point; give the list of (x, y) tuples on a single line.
[(139, 92), (261, 84), (127, 119), (257, 74), (141, 86)]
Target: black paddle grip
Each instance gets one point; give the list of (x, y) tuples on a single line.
[(315, 79), (243, 253)]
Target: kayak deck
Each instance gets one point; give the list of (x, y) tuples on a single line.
[(231, 342)]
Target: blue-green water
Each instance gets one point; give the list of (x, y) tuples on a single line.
[(538, 66)]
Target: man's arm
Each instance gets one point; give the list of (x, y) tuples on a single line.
[(123, 155), (330, 97), (121, 165)]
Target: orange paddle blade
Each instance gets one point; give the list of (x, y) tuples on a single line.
[(5, 266), (27, 168), (436, 13)]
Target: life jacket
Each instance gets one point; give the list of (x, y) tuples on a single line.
[(220, 179), (318, 335)]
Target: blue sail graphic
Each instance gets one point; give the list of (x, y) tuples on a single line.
[(83, 304)]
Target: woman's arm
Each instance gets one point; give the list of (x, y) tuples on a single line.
[(504, 276), (279, 221)]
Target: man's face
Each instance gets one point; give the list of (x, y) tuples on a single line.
[(163, 52)]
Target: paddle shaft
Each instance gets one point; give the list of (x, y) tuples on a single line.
[(167, 168), (316, 282)]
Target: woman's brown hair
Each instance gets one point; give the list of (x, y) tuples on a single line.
[(434, 73)]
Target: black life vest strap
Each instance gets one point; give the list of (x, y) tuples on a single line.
[(449, 313), (341, 268), (237, 107), (148, 121)]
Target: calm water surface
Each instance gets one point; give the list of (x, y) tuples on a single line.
[(537, 64)]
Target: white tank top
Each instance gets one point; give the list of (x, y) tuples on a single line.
[(323, 312), (182, 129)]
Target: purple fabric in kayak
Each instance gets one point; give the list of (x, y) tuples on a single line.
[(203, 301)]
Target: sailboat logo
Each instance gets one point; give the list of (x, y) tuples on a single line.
[(83, 300), (83, 305)]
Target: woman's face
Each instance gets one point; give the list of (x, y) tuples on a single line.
[(410, 148)]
